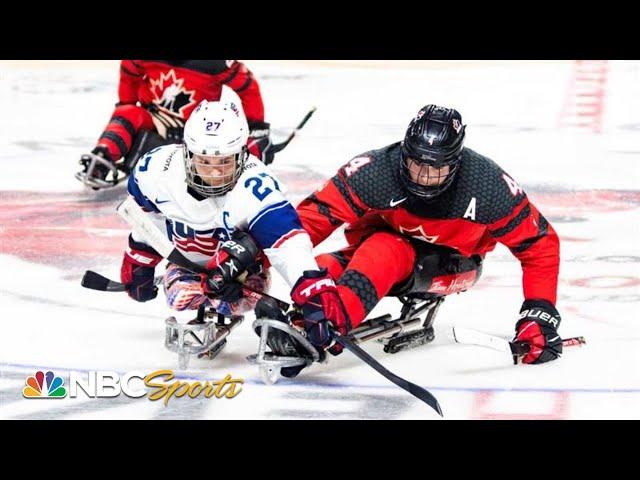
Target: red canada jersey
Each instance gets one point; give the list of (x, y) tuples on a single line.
[(483, 206), (177, 86)]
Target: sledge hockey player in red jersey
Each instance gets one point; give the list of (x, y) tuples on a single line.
[(421, 215), (156, 97)]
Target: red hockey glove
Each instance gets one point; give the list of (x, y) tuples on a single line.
[(138, 269), (316, 293), (538, 327)]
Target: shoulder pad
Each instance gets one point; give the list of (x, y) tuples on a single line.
[(373, 177), (157, 160)]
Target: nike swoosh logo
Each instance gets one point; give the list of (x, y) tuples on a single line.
[(554, 338), (393, 203), (162, 201)]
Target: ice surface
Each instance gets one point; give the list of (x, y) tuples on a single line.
[(52, 230)]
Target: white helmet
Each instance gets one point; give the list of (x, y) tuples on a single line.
[(215, 129)]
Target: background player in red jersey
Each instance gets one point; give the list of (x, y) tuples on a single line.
[(156, 97), (422, 214)]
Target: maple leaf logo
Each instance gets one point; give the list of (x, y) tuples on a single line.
[(170, 95)]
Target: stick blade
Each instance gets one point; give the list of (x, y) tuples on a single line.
[(415, 390), (425, 396), (94, 281), (472, 337)]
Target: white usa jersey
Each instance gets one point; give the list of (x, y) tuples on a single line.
[(196, 224)]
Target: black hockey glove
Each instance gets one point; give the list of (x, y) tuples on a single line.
[(260, 144), (234, 258), (538, 328)]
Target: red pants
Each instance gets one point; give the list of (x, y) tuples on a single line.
[(121, 131), (366, 272), (373, 265)]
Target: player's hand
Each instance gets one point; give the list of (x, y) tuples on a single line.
[(259, 143), (315, 292), (228, 265), (138, 269), (538, 328), (217, 287)]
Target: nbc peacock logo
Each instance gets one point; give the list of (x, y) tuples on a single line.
[(43, 385)]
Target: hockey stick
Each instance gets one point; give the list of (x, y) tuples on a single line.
[(95, 281), (473, 337), (280, 146), (412, 388), (133, 214)]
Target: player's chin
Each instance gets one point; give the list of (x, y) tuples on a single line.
[(219, 184), (221, 181)]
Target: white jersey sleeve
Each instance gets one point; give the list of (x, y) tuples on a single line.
[(142, 182), (258, 204)]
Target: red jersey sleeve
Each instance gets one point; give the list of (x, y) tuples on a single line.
[(532, 239), (329, 207), (131, 75)]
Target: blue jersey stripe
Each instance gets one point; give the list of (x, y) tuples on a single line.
[(268, 208), (134, 189), (273, 223)]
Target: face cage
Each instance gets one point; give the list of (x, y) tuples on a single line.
[(426, 191), (194, 180)]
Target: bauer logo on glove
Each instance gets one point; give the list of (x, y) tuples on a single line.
[(537, 328)]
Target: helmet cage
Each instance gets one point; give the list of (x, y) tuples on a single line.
[(202, 184)]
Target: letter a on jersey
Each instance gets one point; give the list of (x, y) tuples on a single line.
[(471, 210)]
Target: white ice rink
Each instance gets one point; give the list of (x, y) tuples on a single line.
[(587, 186)]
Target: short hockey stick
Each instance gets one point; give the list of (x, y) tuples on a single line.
[(95, 281), (281, 146), (472, 337)]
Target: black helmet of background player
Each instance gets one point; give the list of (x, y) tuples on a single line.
[(431, 151)]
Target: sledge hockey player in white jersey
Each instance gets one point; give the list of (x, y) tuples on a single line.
[(210, 195)]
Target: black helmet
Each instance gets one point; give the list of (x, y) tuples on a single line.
[(434, 139)]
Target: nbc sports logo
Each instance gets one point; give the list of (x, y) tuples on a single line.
[(107, 384), (44, 386)]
